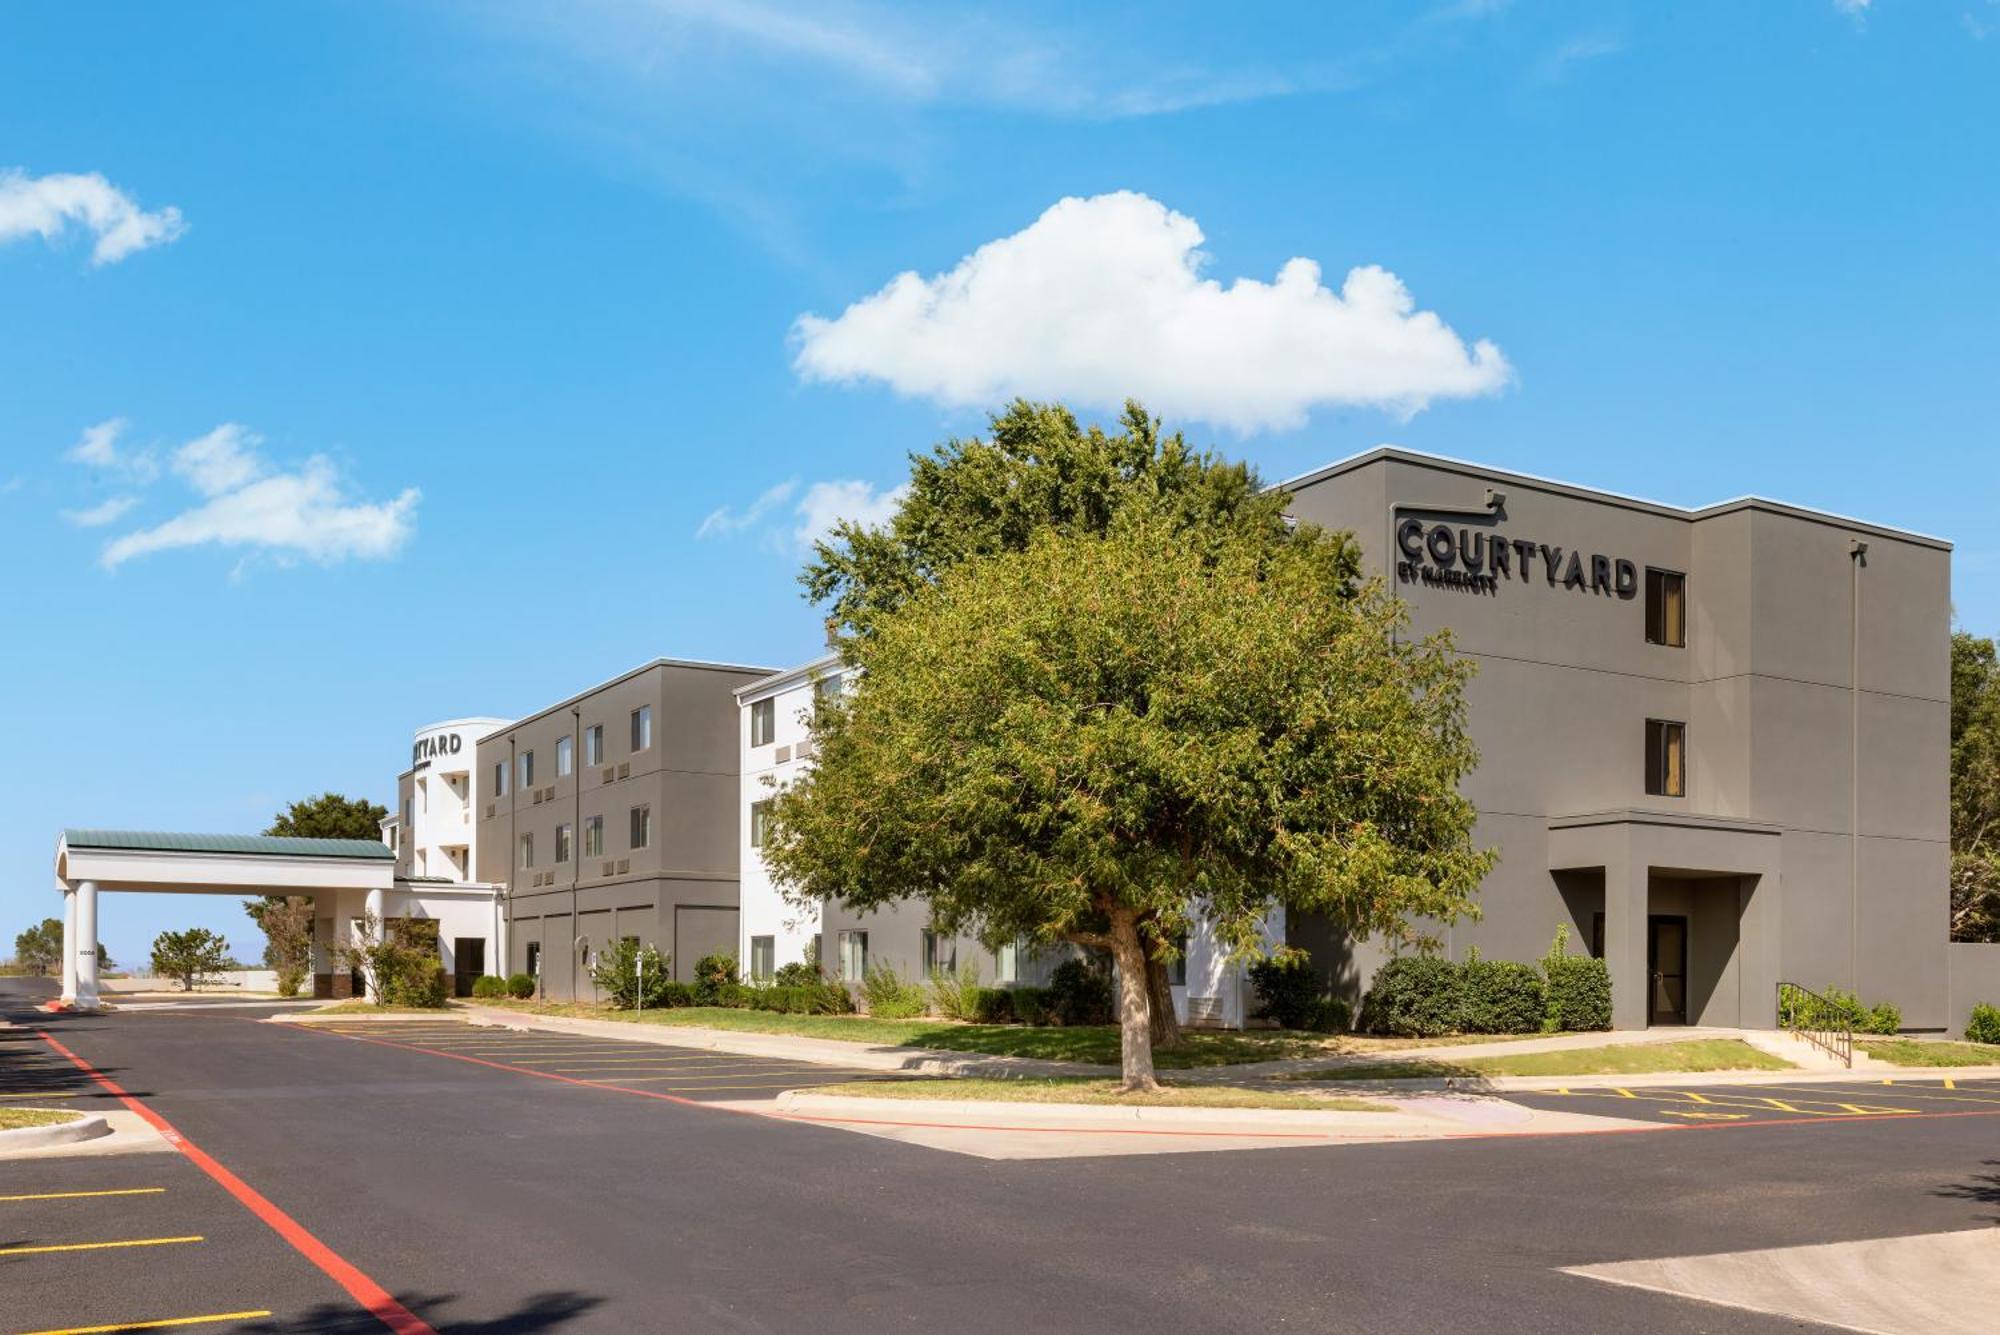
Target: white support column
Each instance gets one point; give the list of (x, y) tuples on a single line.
[(502, 956), (84, 952), (377, 933), (69, 946)]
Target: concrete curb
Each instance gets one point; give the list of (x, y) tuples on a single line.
[(1500, 1084), (789, 1047), (87, 1126), (316, 1017), (1085, 1116)]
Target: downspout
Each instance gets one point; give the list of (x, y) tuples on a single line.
[(1857, 557), (576, 823)]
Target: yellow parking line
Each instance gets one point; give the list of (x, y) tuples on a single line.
[(161, 1324), (699, 1079), (703, 1089), (1948, 1083), (1626, 1094), (1696, 1098), (1780, 1105), (95, 1246), (664, 1065), (73, 1195), (31, 1095)]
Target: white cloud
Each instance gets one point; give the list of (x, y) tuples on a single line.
[(12, 485), (722, 521), (108, 512), (1856, 8), (223, 460), (305, 512), (823, 505), (46, 206), (1102, 299), (98, 448), (1556, 65), (827, 503)]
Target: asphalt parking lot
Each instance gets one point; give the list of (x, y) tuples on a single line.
[(1831, 1102), (682, 1074)]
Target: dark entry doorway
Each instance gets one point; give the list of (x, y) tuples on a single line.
[(1666, 967), (468, 962)]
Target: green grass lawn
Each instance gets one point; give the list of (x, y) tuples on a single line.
[(12, 1119), (1921, 1052), (1695, 1055), (1096, 1044), (1091, 1091)]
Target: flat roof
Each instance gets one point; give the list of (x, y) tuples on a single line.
[(648, 666), (255, 845), (1399, 454), (779, 680)]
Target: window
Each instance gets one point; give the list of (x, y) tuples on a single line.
[(593, 837), (763, 958), (406, 811), (1007, 963), (1666, 768), (499, 778), (565, 757), (527, 850), (940, 953), (1666, 608), (824, 690), (535, 959), (593, 744), (763, 722), (853, 956), (525, 762), (1177, 971), (642, 728), (642, 826), (760, 823), (563, 836)]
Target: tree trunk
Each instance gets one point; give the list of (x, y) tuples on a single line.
[(1135, 1036), (1160, 992)]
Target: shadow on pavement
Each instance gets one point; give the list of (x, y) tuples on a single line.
[(1982, 1189), (540, 1312)]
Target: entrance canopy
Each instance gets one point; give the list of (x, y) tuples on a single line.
[(88, 861)]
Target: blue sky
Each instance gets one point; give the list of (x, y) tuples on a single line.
[(455, 301)]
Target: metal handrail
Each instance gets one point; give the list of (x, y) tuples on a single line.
[(1820, 1021)]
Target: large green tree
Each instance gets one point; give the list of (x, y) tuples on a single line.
[(1039, 471), (287, 921), (1098, 738), (1975, 788)]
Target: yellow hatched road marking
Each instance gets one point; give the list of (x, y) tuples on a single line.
[(160, 1324), (73, 1195), (797, 1077), (1626, 1094), (96, 1246), (1948, 1083), (696, 1089), (1780, 1105), (1697, 1098)]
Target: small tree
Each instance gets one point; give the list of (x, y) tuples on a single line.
[(40, 947), (191, 958), (1098, 738), (287, 922), (399, 958)]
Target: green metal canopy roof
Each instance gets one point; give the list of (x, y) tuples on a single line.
[(259, 845)]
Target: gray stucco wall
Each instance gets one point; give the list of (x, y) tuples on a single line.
[(1766, 685)]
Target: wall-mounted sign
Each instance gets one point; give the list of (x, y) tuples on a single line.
[(428, 749), (1476, 561)]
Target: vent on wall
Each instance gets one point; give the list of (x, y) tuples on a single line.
[(489, 811), (608, 865), (609, 774), (784, 754), (1204, 1010), (624, 865), (625, 770), (803, 750), (538, 797)]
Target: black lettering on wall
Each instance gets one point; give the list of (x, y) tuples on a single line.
[(1573, 577), (1600, 574), (1442, 546), (1552, 557), (1628, 578)]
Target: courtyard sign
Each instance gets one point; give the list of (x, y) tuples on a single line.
[(428, 749), (1476, 561)]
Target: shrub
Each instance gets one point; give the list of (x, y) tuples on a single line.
[(712, 973), (818, 998), (486, 985), (797, 975), (1414, 996), (1984, 1026), (1798, 1010), (291, 978), (1329, 1015), (1031, 1005), (1287, 990), (1079, 992), (952, 992), (1578, 988), (618, 975), (890, 996), (1501, 997), (521, 986), (992, 1005)]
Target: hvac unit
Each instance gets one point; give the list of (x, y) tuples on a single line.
[(489, 811), (609, 774), (608, 865), (625, 770), (784, 754), (624, 865), (1204, 1011)]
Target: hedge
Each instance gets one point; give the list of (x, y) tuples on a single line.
[(1415, 996), (1984, 1026), (1501, 997), (520, 986), (1423, 996)]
